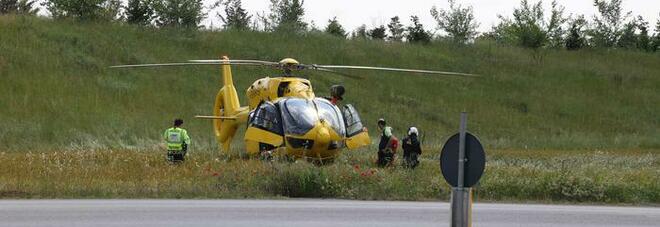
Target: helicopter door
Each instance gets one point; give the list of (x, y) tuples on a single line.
[(356, 133), (264, 130)]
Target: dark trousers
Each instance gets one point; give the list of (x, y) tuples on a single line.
[(385, 157), (410, 159), (178, 156)]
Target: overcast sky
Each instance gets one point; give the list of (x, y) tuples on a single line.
[(353, 13)]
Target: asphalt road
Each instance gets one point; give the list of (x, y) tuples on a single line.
[(263, 213)]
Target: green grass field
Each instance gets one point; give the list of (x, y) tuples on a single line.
[(575, 126), (620, 176)]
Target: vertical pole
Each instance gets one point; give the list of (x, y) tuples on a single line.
[(461, 150), (461, 200)]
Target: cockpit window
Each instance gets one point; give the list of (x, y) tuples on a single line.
[(352, 120), (267, 117), (330, 113), (299, 115)]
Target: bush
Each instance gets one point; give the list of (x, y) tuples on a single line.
[(529, 28), (139, 12), (286, 16), (84, 10), (18, 7), (417, 33), (300, 180), (334, 28), (235, 16), (396, 29), (608, 23), (179, 13), (378, 33), (576, 39), (458, 22), (573, 187)]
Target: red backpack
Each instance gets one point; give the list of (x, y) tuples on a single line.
[(393, 144)]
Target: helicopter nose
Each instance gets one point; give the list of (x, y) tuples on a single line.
[(323, 135)]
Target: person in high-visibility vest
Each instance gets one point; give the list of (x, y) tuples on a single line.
[(177, 140)]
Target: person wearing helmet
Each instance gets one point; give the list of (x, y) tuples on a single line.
[(388, 144), (411, 148), (177, 140), (336, 93)]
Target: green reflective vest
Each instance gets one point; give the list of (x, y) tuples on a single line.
[(175, 137)]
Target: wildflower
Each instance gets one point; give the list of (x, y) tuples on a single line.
[(216, 174), (356, 167)]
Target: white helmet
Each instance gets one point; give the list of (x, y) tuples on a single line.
[(413, 130)]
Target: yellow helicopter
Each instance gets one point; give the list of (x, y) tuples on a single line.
[(283, 116)]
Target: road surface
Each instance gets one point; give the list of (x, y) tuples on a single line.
[(308, 213)]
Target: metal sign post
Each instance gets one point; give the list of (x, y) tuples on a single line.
[(460, 196), (461, 207), (462, 162)]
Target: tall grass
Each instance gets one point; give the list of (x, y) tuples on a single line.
[(620, 176)]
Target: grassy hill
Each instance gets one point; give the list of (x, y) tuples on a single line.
[(58, 91), (570, 126)]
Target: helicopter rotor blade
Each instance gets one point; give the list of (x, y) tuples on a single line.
[(235, 61), (159, 65), (336, 72), (324, 68), (196, 62), (393, 70)]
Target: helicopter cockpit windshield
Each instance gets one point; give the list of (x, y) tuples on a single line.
[(300, 115), (330, 113)]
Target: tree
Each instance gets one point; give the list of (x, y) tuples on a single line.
[(287, 15), (235, 16), (262, 22), (576, 37), (8, 6), (313, 28), (378, 33), (396, 30), (416, 32), (643, 39), (628, 38), (529, 28), (25, 7), (139, 12), (179, 13), (608, 23), (360, 32), (656, 39), (458, 22), (84, 10), (334, 28)]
